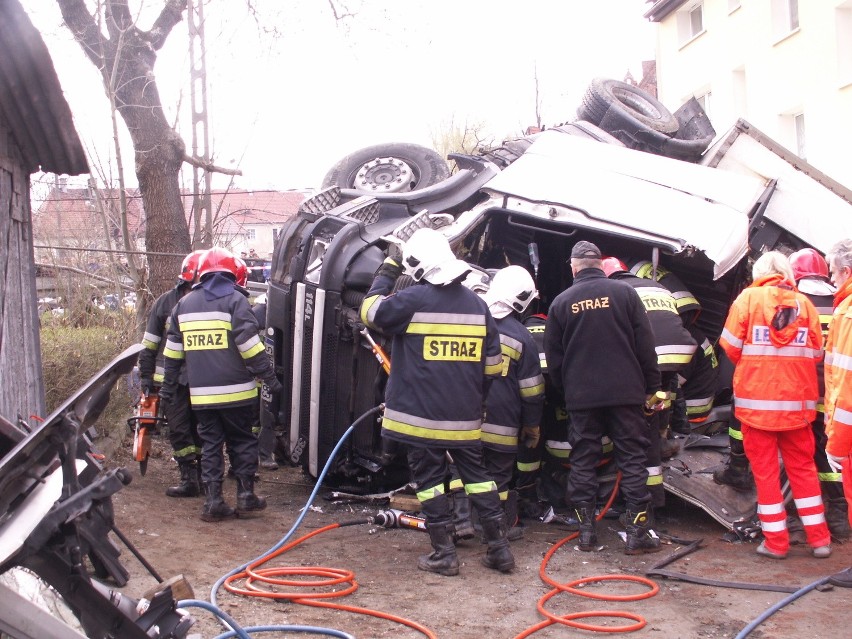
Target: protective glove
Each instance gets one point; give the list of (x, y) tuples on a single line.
[(395, 252), (530, 436), (167, 393), (654, 402), (389, 268), (835, 462), (275, 387), (147, 385)]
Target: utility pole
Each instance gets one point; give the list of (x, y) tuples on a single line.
[(202, 201)]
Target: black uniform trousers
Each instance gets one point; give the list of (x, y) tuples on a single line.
[(627, 428), (429, 469), (183, 426), (229, 427)]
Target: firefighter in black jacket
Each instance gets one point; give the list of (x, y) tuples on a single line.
[(674, 347), (600, 349), (215, 333), (183, 427), (512, 428), (446, 349)]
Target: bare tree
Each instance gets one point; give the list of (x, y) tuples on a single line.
[(467, 138), (125, 55)]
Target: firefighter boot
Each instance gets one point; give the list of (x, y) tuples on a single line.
[(640, 537), (443, 560), (247, 501), (215, 508), (588, 538), (189, 485), (837, 518), (462, 524), (498, 556), (736, 473)]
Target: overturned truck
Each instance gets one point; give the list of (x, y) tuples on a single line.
[(641, 182)]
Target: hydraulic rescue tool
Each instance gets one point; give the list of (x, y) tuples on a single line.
[(398, 519), (144, 422), (380, 354)]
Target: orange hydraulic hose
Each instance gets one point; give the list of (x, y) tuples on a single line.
[(327, 577), (569, 619)]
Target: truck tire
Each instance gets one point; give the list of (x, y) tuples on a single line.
[(610, 102), (388, 168)]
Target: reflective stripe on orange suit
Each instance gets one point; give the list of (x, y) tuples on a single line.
[(775, 384), (838, 375)]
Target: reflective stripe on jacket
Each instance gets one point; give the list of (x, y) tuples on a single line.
[(672, 342), (154, 339), (445, 344), (219, 343), (685, 300), (516, 398), (838, 375), (700, 378), (775, 381)]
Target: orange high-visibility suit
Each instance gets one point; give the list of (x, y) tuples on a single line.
[(773, 335), (838, 384)]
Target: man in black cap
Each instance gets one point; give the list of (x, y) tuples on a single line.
[(600, 350)]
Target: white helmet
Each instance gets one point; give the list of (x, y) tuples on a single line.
[(427, 256), (512, 289)]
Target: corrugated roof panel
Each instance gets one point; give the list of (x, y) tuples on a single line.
[(31, 98)]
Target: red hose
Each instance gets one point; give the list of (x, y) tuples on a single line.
[(259, 581), (569, 619)]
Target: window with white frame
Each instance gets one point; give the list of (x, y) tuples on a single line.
[(251, 234), (843, 27), (785, 17), (690, 21), (799, 128)]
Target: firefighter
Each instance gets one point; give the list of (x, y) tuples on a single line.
[(838, 380), (811, 273), (512, 428), (183, 426), (674, 347), (598, 332), (772, 335), (698, 380), (694, 400), (446, 351), (215, 334)]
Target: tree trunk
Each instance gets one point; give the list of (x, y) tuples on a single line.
[(125, 57)]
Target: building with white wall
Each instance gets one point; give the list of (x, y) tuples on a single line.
[(783, 65)]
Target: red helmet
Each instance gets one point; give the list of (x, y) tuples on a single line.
[(612, 265), (189, 268), (219, 260), (242, 271), (808, 263)]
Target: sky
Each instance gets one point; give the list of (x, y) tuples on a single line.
[(294, 90)]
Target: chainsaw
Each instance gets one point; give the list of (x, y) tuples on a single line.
[(144, 422)]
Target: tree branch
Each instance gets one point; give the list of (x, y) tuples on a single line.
[(82, 24), (209, 166), (171, 15)]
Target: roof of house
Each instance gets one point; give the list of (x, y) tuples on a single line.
[(74, 212), (662, 8), (31, 98)]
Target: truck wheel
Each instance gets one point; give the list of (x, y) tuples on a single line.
[(388, 168), (610, 102)]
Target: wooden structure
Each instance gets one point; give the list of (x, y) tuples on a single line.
[(36, 133)]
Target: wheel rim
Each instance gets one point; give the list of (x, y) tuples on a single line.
[(385, 175)]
